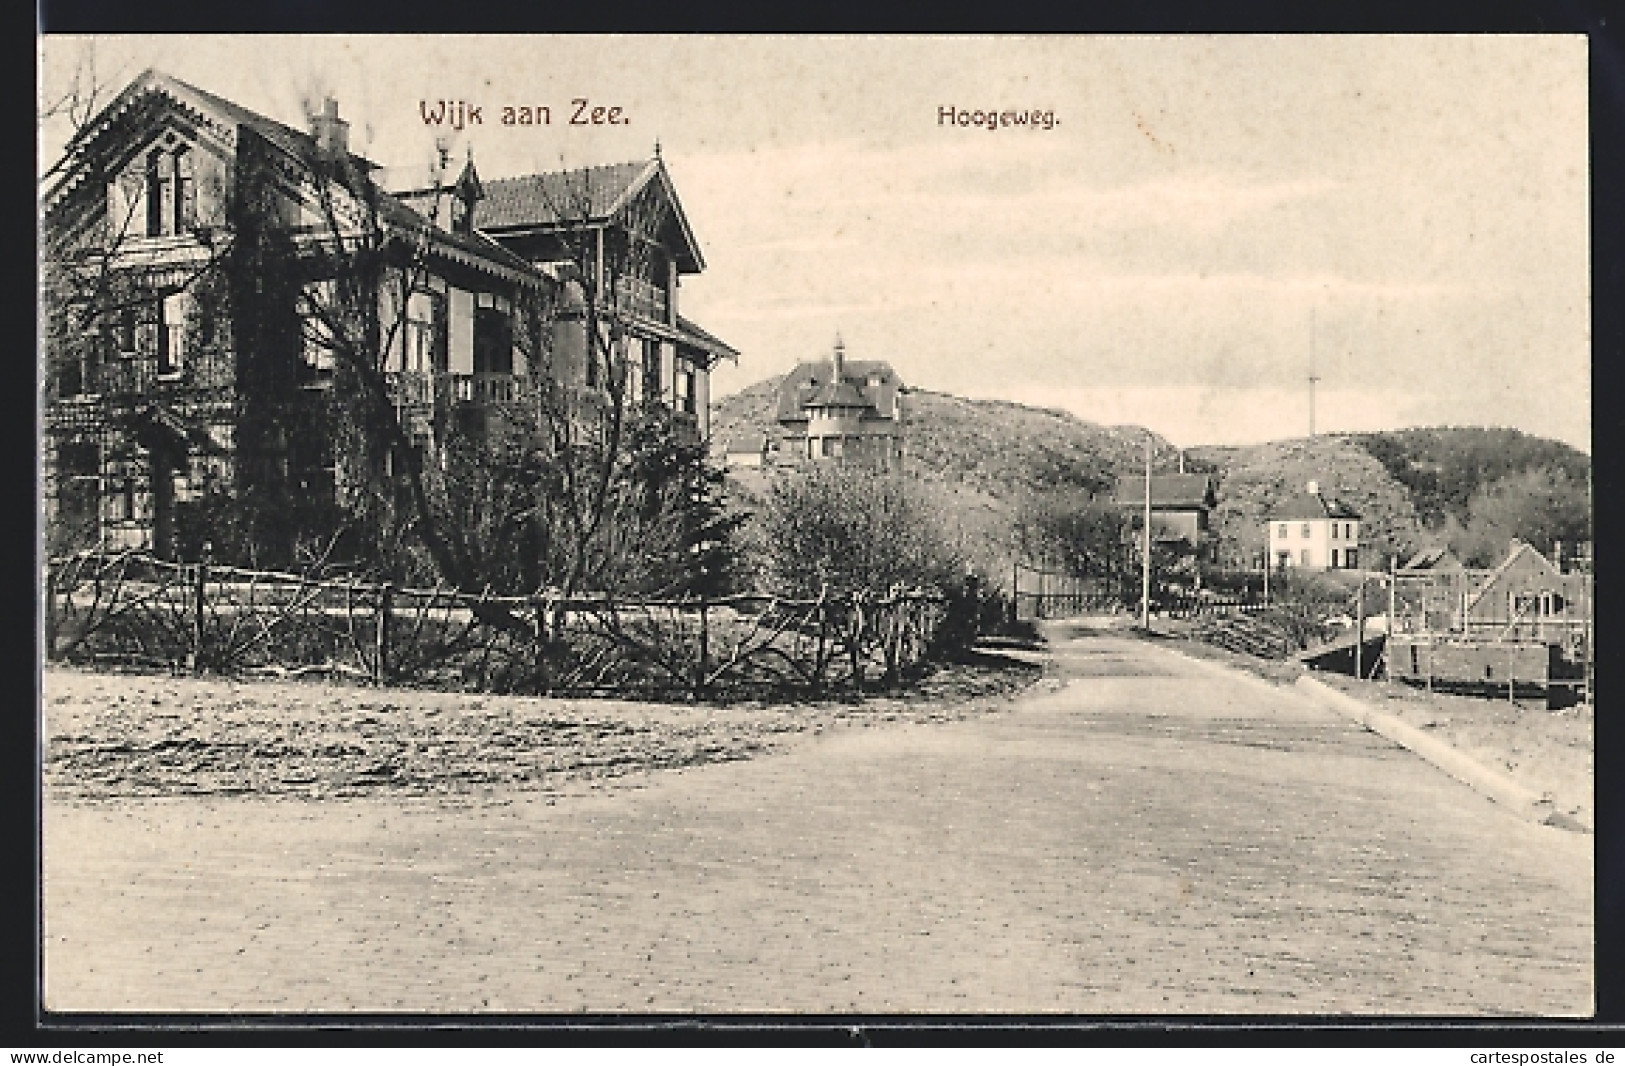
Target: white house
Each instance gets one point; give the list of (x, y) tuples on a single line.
[(1314, 532)]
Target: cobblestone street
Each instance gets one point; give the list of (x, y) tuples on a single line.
[(1150, 838)]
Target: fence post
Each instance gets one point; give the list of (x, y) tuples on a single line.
[(855, 624), (200, 577), (823, 635), (50, 611), (380, 636)]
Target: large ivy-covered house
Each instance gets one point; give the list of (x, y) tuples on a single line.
[(219, 288)]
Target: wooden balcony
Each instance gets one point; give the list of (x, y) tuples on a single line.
[(640, 298)]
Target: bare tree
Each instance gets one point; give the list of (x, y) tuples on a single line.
[(576, 486)]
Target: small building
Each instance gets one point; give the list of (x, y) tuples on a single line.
[(1181, 505), (1526, 596), (1311, 531), (1524, 623), (848, 411)]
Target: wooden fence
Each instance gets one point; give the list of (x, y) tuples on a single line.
[(129, 607)]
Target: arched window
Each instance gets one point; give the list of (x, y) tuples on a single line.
[(185, 192), (155, 184)]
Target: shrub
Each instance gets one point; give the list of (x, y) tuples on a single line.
[(851, 530)]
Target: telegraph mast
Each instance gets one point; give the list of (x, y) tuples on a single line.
[(1313, 377)]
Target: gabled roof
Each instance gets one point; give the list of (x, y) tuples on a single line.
[(1169, 492), (1308, 506), (589, 194), (223, 112), (584, 196), (1519, 550)]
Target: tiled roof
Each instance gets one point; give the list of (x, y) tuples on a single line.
[(1307, 506), (476, 245), (559, 199), (838, 394), (1438, 557), (571, 196), (1168, 491), (804, 381)]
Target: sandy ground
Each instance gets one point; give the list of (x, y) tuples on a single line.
[(1138, 835), (1549, 751), (111, 737)]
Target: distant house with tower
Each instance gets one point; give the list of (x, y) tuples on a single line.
[(841, 410), (1312, 531)]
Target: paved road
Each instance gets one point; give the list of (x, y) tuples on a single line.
[(1155, 837)]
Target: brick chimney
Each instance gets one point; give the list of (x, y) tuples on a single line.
[(331, 133), (838, 361)]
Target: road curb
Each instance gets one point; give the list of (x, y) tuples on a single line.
[(1232, 672), (1502, 789)]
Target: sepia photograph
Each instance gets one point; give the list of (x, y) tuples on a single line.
[(555, 527)]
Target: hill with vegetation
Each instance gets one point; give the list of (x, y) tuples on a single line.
[(980, 459), (1471, 488), (991, 446), (1253, 480)]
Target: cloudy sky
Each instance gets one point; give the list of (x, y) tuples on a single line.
[(1204, 216)]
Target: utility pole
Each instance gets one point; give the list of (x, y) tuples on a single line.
[(1359, 629), (1393, 604), (1145, 548)]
